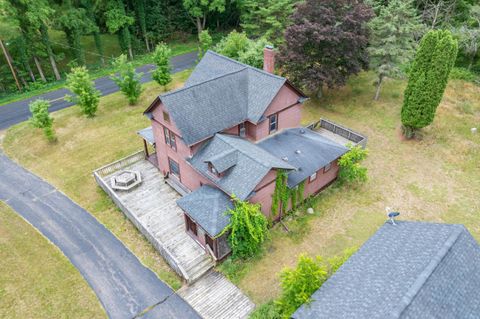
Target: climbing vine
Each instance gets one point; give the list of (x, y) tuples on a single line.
[(281, 193)]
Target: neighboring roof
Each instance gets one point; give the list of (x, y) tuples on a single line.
[(315, 151), (208, 206), (147, 135), (407, 270), (241, 172), (219, 94)]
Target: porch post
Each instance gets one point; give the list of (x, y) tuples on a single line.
[(145, 147)]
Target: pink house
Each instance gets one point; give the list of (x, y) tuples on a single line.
[(228, 132)]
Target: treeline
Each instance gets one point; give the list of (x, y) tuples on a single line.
[(25, 31)]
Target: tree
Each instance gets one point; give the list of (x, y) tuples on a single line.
[(42, 119), (205, 42), (198, 10), (248, 229), (142, 20), (127, 79), (117, 20), (428, 79), (469, 36), (392, 41), (86, 96), (326, 43), (266, 18), (350, 169), (161, 58)]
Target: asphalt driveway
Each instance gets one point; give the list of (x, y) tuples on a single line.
[(125, 287), (17, 112)]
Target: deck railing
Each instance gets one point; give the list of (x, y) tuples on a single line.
[(104, 171), (356, 138)]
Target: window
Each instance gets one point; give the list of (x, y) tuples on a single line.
[(174, 168), (242, 130), (327, 167), (273, 123), (166, 116), (313, 177), (192, 226), (170, 139)]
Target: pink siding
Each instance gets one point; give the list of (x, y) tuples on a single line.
[(321, 181), (264, 192)]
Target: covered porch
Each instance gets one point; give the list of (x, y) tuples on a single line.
[(149, 145)]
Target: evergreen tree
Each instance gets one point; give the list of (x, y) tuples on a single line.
[(428, 79), (161, 58), (392, 41), (127, 79), (86, 96), (42, 119)]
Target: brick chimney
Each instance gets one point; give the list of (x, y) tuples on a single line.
[(268, 59)]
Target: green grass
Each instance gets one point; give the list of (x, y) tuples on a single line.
[(36, 279), (84, 145)]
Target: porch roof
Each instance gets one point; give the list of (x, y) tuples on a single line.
[(207, 206), (147, 135)]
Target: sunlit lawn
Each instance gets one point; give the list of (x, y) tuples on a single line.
[(36, 279)]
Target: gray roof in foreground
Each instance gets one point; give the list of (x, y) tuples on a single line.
[(208, 206), (408, 270), (315, 151), (220, 94), (243, 164)]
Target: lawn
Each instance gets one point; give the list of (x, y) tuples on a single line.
[(84, 145), (36, 279), (433, 179)]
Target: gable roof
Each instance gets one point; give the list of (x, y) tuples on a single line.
[(407, 270), (219, 94), (304, 149), (242, 163), (208, 206)]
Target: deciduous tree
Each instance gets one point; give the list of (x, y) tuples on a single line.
[(86, 96), (127, 79), (42, 119), (199, 10), (326, 43), (204, 43), (161, 58), (428, 79)]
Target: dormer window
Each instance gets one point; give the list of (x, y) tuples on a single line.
[(273, 123), (166, 117), (242, 129)]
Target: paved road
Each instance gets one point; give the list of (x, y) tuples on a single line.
[(17, 112), (123, 285)]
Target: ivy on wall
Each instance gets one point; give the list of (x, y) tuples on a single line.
[(282, 194)]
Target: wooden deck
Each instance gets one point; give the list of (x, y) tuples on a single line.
[(153, 210)]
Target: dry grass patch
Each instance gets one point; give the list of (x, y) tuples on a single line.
[(84, 145), (36, 279)]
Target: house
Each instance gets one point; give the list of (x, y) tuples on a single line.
[(405, 270), (229, 131)]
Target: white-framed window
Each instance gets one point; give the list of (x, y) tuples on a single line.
[(273, 123), (327, 167), (170, 139), (313, 177)]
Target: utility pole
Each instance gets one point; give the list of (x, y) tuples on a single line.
[(9, 61)]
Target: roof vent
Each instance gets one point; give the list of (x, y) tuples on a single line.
[(285, 158), (302, 131), (298, 152)]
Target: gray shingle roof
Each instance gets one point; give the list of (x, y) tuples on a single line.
[(251, 164), (315, 151), (208, 206), (220, 94), (408, 270), (147, 135)]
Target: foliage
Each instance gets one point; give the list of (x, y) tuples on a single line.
[(468, 36), (281, 194), (199, 10), (248, 229), (127, 79), (268, 310), (266, 18), (42, 119), (86, 96), (427, 80), (238, 46), (463, 74), (326, 43), (205, 42), (337, 261), (392, 41), (350, 169), (161, 58)]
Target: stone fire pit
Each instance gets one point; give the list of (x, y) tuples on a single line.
[(126, 180)]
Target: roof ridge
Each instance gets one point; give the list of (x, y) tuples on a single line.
[(201, 83), (426, 273)]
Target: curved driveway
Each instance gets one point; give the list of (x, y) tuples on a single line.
[(17, 112), (125, 287)]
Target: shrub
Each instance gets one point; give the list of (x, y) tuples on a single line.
[(463, 74), (161, 58), (248, 229), (267, 310), (127, 79), (42, 119), (350, 169), (86, 96)]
